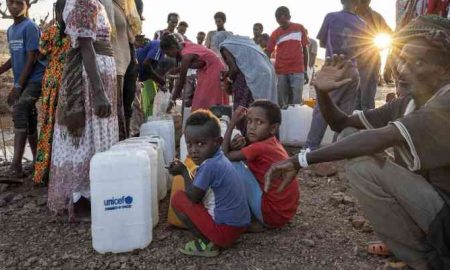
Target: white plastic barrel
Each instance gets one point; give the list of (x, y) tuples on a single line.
[(162, 173), (121, 200), (166, 130), (152, 154), (295, 125), (223, 129)]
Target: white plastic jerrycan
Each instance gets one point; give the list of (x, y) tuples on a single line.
[(224, 120), (166, 130), (152, 155), (162, 174), (121, 200), (295, 125)]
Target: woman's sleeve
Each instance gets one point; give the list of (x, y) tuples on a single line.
[(80, 17)]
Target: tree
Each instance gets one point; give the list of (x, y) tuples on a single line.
[(4, 14)]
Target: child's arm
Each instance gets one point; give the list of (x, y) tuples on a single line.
[(6, 66), (194, 193), (148, 69), (185, 63), (238, 115), (32, 57)]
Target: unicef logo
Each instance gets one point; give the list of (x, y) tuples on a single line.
[(123, 202), (129, 200)]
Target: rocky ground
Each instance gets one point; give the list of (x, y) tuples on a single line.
[(328, 232)]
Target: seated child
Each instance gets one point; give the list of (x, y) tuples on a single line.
[(214, 206), (276, 207)]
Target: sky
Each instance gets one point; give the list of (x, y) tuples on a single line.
[(241, 14)]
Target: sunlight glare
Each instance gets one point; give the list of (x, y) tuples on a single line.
[(383, 41)]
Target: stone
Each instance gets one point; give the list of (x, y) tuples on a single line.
[(41, 201), (367, 228), (347, 200), (115, 265), (7, 197), (324, 169), (17, 198), (337, 198), (307, 242), (358, 222), (311, 184)]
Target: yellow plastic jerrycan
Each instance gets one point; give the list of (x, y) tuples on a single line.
[(177, 185), (310, 102)]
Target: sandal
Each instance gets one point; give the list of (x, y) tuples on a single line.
[(200, 249), (396, 265), (378, 248)]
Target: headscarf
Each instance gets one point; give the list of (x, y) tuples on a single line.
[(433, 28), (217, 39), (255, 65)]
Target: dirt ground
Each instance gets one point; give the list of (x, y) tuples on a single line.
[(321, 236)]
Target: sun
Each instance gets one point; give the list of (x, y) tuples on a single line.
[(383, 41)]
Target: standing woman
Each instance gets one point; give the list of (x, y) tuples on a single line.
[(209, 67), (87, 107), (251, 74), (54, 46)]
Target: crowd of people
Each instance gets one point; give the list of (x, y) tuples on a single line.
[(94, 71)]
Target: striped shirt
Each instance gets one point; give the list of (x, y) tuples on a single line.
[(288, 45)]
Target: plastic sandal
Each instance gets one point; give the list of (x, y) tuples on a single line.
[(199, 249)]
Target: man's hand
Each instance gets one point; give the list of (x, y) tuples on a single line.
[(238, 142), (13, 96), (286, 170), (238, 115), (102, 107), (336, 73), (177, 168)]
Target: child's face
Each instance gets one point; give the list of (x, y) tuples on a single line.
[(219, 22), (263, 42), (182, 29), (200, 146), (200, 38), (283, 20), (258, 126), (257, 30), (17, 8)]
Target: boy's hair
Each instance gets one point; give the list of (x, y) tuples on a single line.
[(273, 111), (220, 15), (172, 14), (282, 11), (183, 23), (201, 33), (207, 119), (259, 25)]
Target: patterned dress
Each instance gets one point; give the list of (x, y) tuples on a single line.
[(55, 48), (69, 175)]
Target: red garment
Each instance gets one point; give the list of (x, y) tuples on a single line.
[(221, 235), (438, 7), (278, 208), (208, 91), (289, 45)]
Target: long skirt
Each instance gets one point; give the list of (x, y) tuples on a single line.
[(69, 174)]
